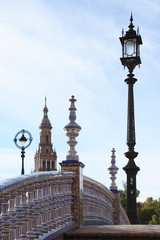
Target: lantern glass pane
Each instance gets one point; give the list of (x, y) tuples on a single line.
[(22, 143), (130, 48)]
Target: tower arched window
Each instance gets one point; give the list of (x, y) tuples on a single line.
[(48, 165), (52, 165), (43, 165), (46, 138)]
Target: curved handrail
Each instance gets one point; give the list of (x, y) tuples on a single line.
[(22, 180), (91, 180)]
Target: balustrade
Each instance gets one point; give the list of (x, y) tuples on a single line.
[(97, 202), (34, 205)]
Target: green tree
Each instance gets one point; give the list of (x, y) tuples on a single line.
[(149, 212), (123, 196)]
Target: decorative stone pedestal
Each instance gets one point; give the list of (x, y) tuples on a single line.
[(77, 189), (72, 164)]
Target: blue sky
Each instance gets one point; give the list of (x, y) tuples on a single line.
[(71, 47)]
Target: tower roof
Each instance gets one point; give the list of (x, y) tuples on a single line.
[(45, 121)]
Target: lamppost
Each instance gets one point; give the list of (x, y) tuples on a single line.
[(24, 143), (131, 42)]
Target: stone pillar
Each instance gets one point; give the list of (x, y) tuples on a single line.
[(116, 208), (72, 164), (77, 190)]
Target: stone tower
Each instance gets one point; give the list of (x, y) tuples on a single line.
[(46, 158)]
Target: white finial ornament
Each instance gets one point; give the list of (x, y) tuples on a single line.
[(113, 169), (72, 131)]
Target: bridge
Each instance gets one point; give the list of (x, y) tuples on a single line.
[(40, 205)]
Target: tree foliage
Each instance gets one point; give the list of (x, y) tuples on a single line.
[(148, 212), (123, 196)]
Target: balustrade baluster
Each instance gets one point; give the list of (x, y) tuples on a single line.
[(5, 220), (31, 210)]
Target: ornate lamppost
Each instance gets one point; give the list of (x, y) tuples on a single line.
[(131, 42), (24, 143)]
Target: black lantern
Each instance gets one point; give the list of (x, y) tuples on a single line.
[(23, 139), (131, 42), (25, 142)]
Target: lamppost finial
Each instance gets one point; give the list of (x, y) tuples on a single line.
[(131, 26), (131, 18)]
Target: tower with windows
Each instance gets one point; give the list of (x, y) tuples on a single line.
[(45, 158)]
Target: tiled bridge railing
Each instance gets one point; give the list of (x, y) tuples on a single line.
[(40, 205), (35, 204), (98, 204)]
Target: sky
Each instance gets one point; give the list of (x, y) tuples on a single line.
[(71, 47)]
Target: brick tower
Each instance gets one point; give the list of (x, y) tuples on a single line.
[(45, 158)]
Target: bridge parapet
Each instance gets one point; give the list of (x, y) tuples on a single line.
[(99, 204), (97, 200), (40, 205), (123, 217), (35, 204)]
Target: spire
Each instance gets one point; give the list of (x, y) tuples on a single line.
[(45, 121), (72, 131), (45, 101), (113, 169)]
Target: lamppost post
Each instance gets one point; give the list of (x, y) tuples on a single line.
[(22, 156), (25, 142), (131, 42)]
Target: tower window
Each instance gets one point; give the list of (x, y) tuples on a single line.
[(52, 165), (43, 165), (46, 150), (46, 138), (48, 165)]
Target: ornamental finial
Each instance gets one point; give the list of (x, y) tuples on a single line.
[(72, 109), (122, 32), (113, 169), (72, 131), (45, 101), (131, 18), (131, 26), (45, 110)]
